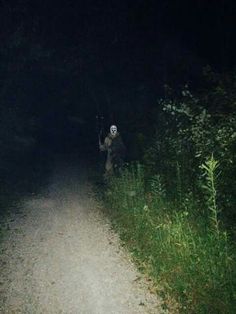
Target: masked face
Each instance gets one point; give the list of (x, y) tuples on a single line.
[(113, 130)]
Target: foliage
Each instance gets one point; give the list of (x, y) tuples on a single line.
[(192, 265), (173, 211), (210, 167), (186, 134)]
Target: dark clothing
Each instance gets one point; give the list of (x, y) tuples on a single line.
[(115, 152)]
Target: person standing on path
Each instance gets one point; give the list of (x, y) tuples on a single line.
[(115, 148)]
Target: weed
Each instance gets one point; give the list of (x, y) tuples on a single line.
[(191, 265)]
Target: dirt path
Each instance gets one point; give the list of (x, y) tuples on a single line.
[(60, 256)]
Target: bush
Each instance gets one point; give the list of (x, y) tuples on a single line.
[(187, 134)]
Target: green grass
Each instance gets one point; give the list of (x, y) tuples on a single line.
[(193, 263)]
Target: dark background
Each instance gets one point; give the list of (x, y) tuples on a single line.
[(65, 62)]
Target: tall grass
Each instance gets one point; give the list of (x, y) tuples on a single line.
[(210, 172), (193, 263)]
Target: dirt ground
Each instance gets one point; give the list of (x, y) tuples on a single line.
[(61, 256)]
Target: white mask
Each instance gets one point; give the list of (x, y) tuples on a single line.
[(113, 130)]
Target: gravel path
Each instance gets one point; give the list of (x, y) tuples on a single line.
[(60, 256)]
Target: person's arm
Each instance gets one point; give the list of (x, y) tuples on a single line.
[(103, 147)]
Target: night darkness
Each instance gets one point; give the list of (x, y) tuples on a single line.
[(74, 191), (63, 63)]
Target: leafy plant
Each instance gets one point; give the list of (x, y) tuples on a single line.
[(192, 267), (210, 168)]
